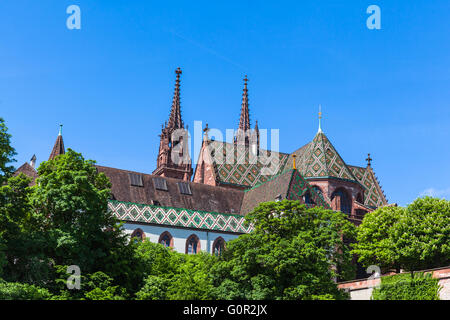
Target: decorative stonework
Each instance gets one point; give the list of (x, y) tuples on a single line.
[(177, 217)]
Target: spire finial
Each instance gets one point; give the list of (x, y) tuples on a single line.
[(205, 130), (368, 159), (60, 130), (320, 118)]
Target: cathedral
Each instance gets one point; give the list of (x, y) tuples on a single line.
[(193, 210)]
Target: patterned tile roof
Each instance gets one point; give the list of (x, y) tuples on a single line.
[(319, 158), (288, 185), (178, 217), (240, 168), (373, 196), (299, 187)]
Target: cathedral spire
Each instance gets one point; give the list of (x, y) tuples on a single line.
[(175, 121), (58, 148), (244, 121), (173, 157)]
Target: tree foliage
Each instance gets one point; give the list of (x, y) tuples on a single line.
[(405, 287), (175, 276), (7, 153), (293, 253), (412, 238)]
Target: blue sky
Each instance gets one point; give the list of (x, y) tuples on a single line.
[(111, 83)]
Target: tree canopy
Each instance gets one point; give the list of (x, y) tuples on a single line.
[(412, 238), (293, 253)]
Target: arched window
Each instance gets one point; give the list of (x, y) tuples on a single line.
[(138, 235), (342, 201), (218, 246), (166, 239), (192, 244), (307, 198), (359, 198), (318, 191)]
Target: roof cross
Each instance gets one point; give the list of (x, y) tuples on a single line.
[(368, 159)]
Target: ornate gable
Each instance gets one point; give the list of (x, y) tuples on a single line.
[(373, 195), (299, 187)]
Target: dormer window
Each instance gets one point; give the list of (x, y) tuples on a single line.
[(136, 180), (184, 188), (160, 184)]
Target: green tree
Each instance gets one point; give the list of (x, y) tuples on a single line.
[(20, 232), (95, 286), (22, 291), (422, 236), (71, 199), (193, 280), (412, 238), (375, 245), (7, 153), (174, 276), (293, 253)]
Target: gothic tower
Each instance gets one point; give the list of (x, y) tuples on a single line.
[(173, 158), (244, 134)]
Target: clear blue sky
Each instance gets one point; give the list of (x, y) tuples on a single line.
[(111, 83)]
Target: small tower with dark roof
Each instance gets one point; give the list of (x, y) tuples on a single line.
[(58, 148), (173, 157)]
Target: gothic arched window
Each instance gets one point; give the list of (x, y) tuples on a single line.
[(308, 198), (342, 201), (218, 246), (138, 235), (192, 244), (166, 239)]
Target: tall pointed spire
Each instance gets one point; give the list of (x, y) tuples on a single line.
[(175, 121), (244, 121), (320, 119), (58, 148), (173, 156)]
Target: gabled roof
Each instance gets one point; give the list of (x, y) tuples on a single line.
[(277, 186), (373, 196), (319, 159), (28, 170), (288, 185), (244, 169)]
